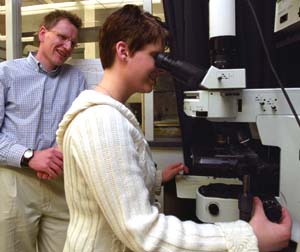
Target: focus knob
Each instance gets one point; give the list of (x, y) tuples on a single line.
[(214, 209)]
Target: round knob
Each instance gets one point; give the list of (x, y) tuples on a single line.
[(213, 209)]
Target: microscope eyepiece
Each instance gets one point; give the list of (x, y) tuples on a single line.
[(184, 72), (165, 62)]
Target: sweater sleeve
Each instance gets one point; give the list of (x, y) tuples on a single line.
[(105, 152)]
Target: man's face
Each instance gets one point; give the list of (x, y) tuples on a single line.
[(56, 44)]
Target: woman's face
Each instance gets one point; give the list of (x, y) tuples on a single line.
[(141, 70)]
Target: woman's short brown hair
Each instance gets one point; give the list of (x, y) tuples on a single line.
[(133, 26)]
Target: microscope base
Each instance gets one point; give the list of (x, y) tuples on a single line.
[(212, 209)]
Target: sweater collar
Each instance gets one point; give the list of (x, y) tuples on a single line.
[(89, 98)]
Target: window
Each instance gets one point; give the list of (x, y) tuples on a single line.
[(92, 12), (2, 31)]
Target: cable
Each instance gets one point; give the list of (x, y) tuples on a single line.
[(99, 2), (271, 65), (104, 6)]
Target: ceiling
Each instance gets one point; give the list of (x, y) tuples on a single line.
[(36, 2), (92, 21)]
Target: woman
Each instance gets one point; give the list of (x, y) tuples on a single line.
[(110, 177)]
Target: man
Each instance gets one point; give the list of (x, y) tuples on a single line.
[(35, 92)]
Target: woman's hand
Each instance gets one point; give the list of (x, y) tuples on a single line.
[(271, 236), (172, 170)]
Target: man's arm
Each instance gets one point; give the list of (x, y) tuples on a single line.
[(47, 162), (10, 151)]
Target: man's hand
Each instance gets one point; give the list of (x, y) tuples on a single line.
[(172, 170), (47, 163)]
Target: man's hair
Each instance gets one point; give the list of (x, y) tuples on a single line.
[(51, 19), (133, 26)]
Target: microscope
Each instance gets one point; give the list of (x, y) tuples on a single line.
[(257, 135)]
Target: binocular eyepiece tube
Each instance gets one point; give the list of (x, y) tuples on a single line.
[(184, 72)]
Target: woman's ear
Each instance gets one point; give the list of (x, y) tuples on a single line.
[(122, 51)]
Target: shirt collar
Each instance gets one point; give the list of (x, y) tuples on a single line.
[(39, 67)]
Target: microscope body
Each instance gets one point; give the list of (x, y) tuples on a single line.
[(270, 120), (222, 98)]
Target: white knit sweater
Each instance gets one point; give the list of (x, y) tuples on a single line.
[(110, 181)]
